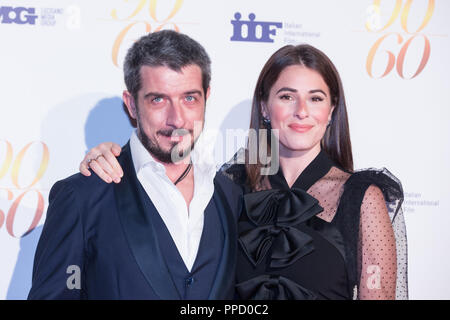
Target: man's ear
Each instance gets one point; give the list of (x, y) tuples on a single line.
[(128, 99)]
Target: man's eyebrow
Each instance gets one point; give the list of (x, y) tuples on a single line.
[(193, 92), (154, 94), (158, 94)]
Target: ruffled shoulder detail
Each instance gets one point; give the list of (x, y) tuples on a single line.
[(389, 185), (348, 218)]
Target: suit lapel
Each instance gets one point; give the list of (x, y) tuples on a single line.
[(227, 264), (140, 231)]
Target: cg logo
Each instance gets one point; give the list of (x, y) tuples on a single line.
[(373, 25), (25, 190), (161, 23), (252, 26), (19, 15)]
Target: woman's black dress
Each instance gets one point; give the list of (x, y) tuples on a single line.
[(332, 235)]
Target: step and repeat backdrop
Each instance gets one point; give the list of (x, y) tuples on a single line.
[(61, 83)]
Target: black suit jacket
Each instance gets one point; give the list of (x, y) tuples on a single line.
[(104, 230)]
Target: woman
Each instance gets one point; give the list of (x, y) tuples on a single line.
[(316, 229)]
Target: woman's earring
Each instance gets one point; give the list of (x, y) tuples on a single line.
[(328, 124), (266, 122)]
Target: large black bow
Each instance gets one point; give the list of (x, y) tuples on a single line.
[(276, 212), (271, 287)]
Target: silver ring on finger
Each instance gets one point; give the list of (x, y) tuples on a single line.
[(92, 159)]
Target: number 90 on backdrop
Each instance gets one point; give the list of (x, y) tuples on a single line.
[(21, 201)]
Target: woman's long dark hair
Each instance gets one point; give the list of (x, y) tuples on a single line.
[(336, 141)]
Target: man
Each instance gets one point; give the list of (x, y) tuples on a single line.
[(167, 230)]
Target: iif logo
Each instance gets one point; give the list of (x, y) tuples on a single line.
[(257, 31), (19, 15)]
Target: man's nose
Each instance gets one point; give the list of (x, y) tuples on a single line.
[(175, 115)]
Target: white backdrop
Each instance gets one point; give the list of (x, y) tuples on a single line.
[(61, 83)]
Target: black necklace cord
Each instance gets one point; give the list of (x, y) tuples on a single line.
[(184, 174)]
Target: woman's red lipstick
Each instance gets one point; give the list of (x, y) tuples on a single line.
[(300, 127)]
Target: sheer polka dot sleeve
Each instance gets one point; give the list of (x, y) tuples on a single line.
[(377, 259)]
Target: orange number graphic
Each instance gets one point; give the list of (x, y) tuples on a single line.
[(148, 28), (2, 214), (423, 62), (426, 20), (391, 56), (8, 158), (402, 53), (394, 15), (18, 161), (117, 44), (13, 209), (15, 179)]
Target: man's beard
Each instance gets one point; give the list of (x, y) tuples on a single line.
[(166, 156)]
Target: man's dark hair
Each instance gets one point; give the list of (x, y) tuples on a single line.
[(164, 48)]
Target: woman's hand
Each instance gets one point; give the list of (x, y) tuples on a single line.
[(102, 160)]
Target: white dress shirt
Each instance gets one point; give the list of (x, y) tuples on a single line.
[(185, 224)]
